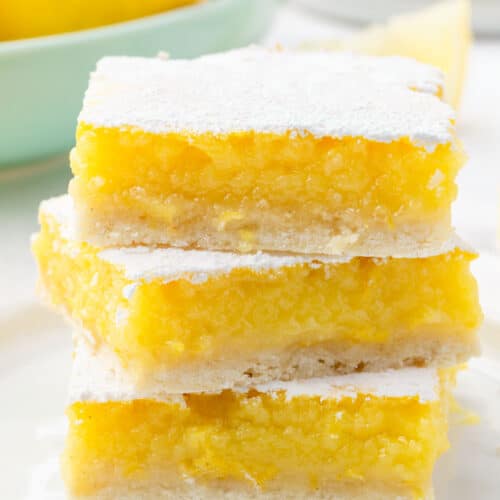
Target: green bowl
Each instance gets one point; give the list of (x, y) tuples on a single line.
[(42, 80)]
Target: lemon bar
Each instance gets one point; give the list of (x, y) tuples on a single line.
[(306, 152), (361, 436), (198, 320)]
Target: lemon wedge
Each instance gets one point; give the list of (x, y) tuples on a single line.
[(439, 35)]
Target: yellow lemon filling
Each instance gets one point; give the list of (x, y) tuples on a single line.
[(155, 319), (238, 189), (258, 440), (31, 18)]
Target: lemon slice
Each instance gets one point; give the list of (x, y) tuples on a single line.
[(439, 35)]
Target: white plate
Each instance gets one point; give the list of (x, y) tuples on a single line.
[(35, 355)]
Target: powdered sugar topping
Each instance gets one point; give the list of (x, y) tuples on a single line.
[(405, 382), (256, 89)]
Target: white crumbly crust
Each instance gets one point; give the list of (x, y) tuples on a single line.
[(222, 490), (115, 228), (196, 265), (99, 374), (315, 361), (257, 89)]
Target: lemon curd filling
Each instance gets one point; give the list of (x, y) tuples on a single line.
[(366, 163), (376, 431), (254, 438), (229, 183), (205, 311)]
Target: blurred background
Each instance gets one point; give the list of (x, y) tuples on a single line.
[(47, 50)]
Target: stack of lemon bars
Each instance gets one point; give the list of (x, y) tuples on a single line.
[(258, 260)]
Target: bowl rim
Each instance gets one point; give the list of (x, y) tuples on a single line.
[(108, 30)]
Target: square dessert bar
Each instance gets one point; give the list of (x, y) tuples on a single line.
[(198, 320), (254, 149), (362, 436)]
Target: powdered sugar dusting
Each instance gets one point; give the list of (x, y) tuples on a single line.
[(406, 382), (97, 375), (63, 210), (256, 89), (198, 266)]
